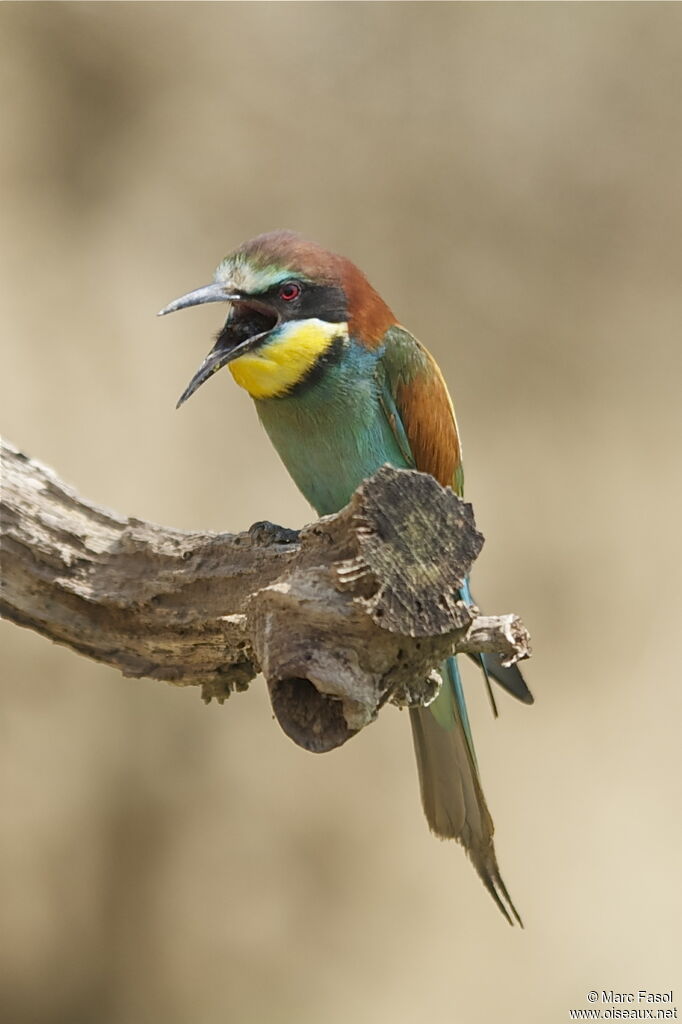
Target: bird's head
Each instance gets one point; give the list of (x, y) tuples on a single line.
[(293, 307)]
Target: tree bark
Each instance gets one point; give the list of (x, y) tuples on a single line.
[(350, 612)]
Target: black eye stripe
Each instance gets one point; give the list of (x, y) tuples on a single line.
[(316, 300), (325, 301)]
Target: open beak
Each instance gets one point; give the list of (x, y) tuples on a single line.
[(249, 321)]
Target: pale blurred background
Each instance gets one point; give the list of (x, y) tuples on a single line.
[(509, 177)]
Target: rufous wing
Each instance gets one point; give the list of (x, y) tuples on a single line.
[(419, 407)]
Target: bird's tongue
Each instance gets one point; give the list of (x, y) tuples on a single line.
[(245, 322)]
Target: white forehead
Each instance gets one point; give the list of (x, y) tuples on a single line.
[(238, 272)]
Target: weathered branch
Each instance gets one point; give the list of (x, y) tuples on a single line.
[(353, 611)]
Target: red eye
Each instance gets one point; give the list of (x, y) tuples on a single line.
[(289, 290)]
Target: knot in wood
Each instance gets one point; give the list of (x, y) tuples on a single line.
[(415, 544)]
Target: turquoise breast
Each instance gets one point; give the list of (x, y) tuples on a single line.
[(333, 434)]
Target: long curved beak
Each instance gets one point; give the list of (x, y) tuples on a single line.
[(226, 348), (209, 293), (219, 356), (231, 342)]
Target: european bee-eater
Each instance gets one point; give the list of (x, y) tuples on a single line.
[(341, 388)]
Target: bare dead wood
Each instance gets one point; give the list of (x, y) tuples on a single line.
[(352, 611)]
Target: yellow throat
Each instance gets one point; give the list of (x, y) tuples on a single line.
[(284, 361)]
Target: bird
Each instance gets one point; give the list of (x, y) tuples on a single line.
[(341, 389)]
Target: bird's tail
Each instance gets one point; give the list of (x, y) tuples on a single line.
[(508, 676), (451, 790)]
